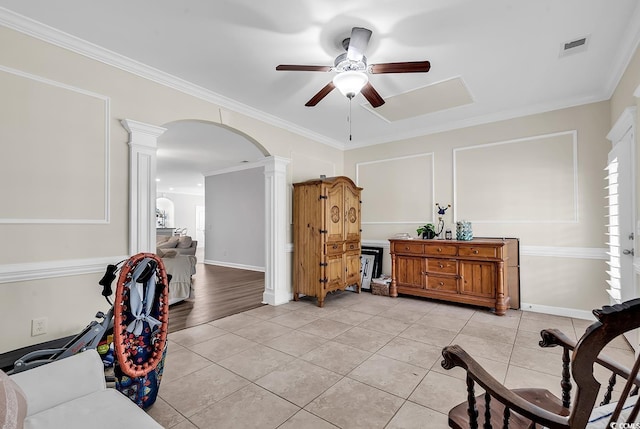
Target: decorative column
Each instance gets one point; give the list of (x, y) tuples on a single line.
[(143, 148), (277, 289)]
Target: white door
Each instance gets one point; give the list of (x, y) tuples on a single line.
[(621, 221)]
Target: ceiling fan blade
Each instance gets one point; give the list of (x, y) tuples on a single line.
[(290, 67), (372, 95), (358, 43), (320, 95), (405, 67)]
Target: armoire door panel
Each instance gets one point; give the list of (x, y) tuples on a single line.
[(334, 208), (352, 213)]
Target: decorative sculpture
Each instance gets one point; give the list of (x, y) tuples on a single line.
[(441, 213)]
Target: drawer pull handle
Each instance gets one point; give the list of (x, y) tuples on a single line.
[(335, 246), (441, 266), (475, 252), (352, 246), (439, 249), (406, 247), (441, 283)]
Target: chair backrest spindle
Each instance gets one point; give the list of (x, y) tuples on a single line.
[(625, 392), (487, 411), (505, 420), (471, 399)]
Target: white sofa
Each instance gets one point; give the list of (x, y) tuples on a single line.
[(181, 268), (182, 245), (70, 393)]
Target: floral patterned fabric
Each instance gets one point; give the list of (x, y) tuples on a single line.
[(143, 391), (140, 328)]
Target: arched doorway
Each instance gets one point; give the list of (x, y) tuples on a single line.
[(200, 163), (143, 144), (165, 213)]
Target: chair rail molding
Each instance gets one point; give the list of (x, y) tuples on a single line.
[(10, 273), (143, 159)]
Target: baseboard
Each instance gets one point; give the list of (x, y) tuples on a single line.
[(234, 265), (10, 273), (558, 311)]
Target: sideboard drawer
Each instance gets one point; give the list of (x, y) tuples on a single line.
[(487, 252), (440, 250), (403, 247), (444, 266), (442, 284)]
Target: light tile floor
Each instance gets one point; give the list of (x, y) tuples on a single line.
[(362, 361)]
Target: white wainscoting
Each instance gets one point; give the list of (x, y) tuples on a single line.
[(499, 175), (10, 273), (385, 205), (54, 178)]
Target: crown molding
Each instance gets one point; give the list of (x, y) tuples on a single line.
[(72, 43), (241, 167), (628, 45), (472, 121), (59, 38)]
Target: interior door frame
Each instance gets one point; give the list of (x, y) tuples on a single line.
[(142, 200), (625, 128)]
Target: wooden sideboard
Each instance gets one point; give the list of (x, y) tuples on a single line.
[(477, 272)]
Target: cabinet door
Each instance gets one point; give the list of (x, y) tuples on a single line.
[(351, 213), (334, 212), (335, 272), (478, 278), (352, 268), (410, 271)]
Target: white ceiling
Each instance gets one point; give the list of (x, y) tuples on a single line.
[(506, 53), (190, 150)]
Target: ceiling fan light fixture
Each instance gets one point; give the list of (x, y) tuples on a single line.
[(350, 82)]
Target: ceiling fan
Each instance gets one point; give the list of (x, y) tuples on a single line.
[(352, 69)]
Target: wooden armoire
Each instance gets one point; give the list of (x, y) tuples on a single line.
[(326, 237)]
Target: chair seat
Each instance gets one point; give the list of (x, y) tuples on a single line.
[(459, 416)]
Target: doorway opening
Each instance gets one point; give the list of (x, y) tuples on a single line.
[(143, 143)]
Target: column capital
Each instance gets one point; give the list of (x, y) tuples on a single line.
[(141, 134)]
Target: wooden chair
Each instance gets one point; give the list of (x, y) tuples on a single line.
[(499, 407)]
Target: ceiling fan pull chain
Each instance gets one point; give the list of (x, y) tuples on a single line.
[(349, 118)]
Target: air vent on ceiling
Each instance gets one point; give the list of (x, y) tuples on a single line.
[(574, 46)]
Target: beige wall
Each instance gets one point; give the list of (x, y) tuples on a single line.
[(36, 269), (575, 231), (69, 299)]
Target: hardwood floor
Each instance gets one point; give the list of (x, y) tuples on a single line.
[(217, 292)]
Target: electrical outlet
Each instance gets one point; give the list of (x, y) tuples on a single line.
[(38, 326)]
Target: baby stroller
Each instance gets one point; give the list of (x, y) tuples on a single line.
[(138, 322)]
